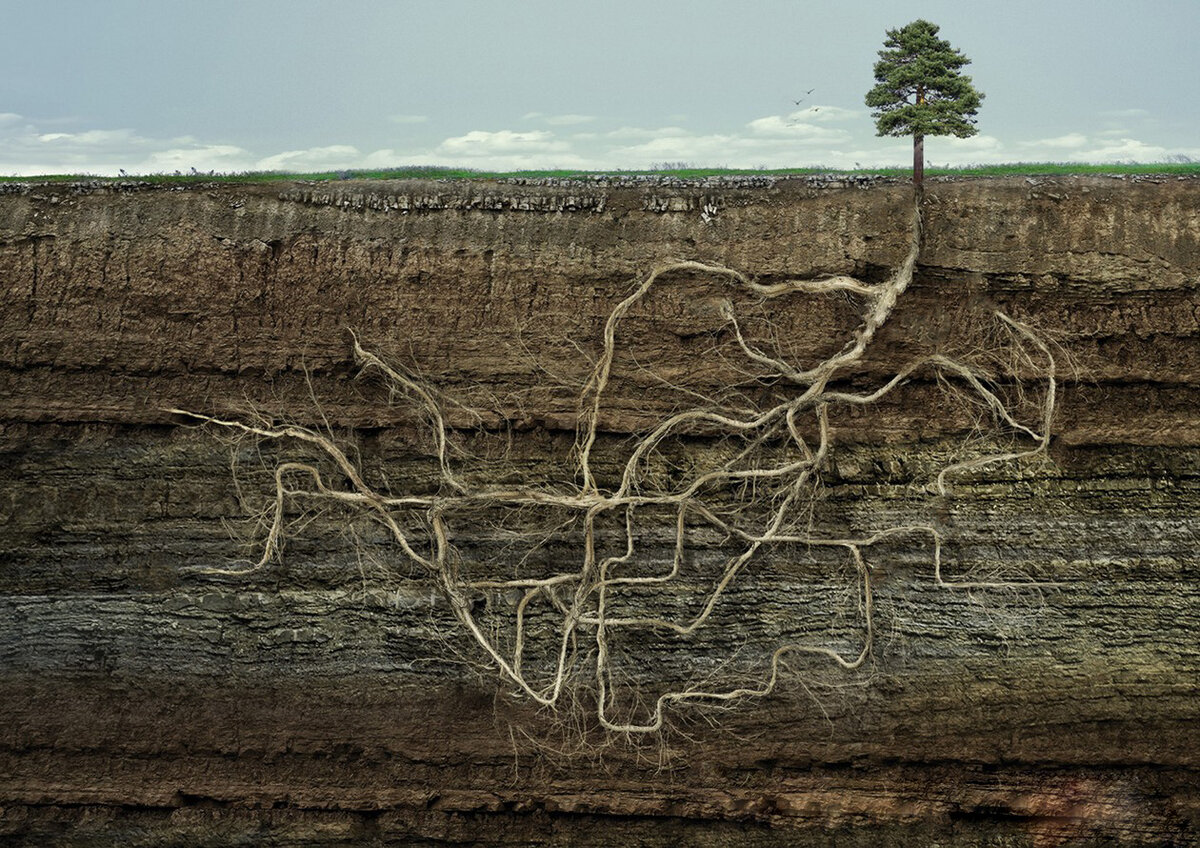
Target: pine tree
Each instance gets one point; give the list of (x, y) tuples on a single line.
[(919, 90)]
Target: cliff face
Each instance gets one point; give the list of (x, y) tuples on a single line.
[(321, 701)]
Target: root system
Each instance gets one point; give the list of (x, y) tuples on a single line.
[(758, 496)]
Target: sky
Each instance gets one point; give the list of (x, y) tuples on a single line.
[(151, 86)]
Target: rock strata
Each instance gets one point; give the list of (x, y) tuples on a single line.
[(316, 702)]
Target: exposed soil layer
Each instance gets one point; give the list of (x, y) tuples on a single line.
[(316, 702)]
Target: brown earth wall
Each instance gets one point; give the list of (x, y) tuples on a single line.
[(146, 702)]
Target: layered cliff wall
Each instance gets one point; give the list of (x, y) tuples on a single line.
[(323, 700)]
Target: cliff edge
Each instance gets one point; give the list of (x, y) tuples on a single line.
[(324, 699)]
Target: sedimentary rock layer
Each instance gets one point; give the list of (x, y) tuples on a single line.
[(322, 701)]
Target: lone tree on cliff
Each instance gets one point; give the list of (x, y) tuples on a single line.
[(919, 90)]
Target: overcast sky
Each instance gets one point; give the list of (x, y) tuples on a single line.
[(160, 85)]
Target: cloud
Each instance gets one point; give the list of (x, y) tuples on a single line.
[(823, 136), (804, 137), (796, 130), (26, 149), (312, 159), (736, 150), (677, 146), (770, 142), (500, 150), (1123, 150), (826, 114), (1068, 141), (980, 143), (211, 157), (483, 143), (773, 142), (94, 138), (807, 126)]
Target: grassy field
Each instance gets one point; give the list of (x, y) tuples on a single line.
[(428, 173)]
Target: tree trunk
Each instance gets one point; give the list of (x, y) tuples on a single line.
[(918, 160), (919, 148)]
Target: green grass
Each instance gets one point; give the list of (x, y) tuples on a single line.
[(429, 173)]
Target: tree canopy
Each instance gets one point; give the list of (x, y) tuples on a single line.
[(919, 89)]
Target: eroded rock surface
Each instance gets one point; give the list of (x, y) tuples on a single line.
[(147, 702)]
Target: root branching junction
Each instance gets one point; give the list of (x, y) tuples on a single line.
[(566, 616)]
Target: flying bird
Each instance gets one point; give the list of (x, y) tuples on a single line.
[(802, 99)]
